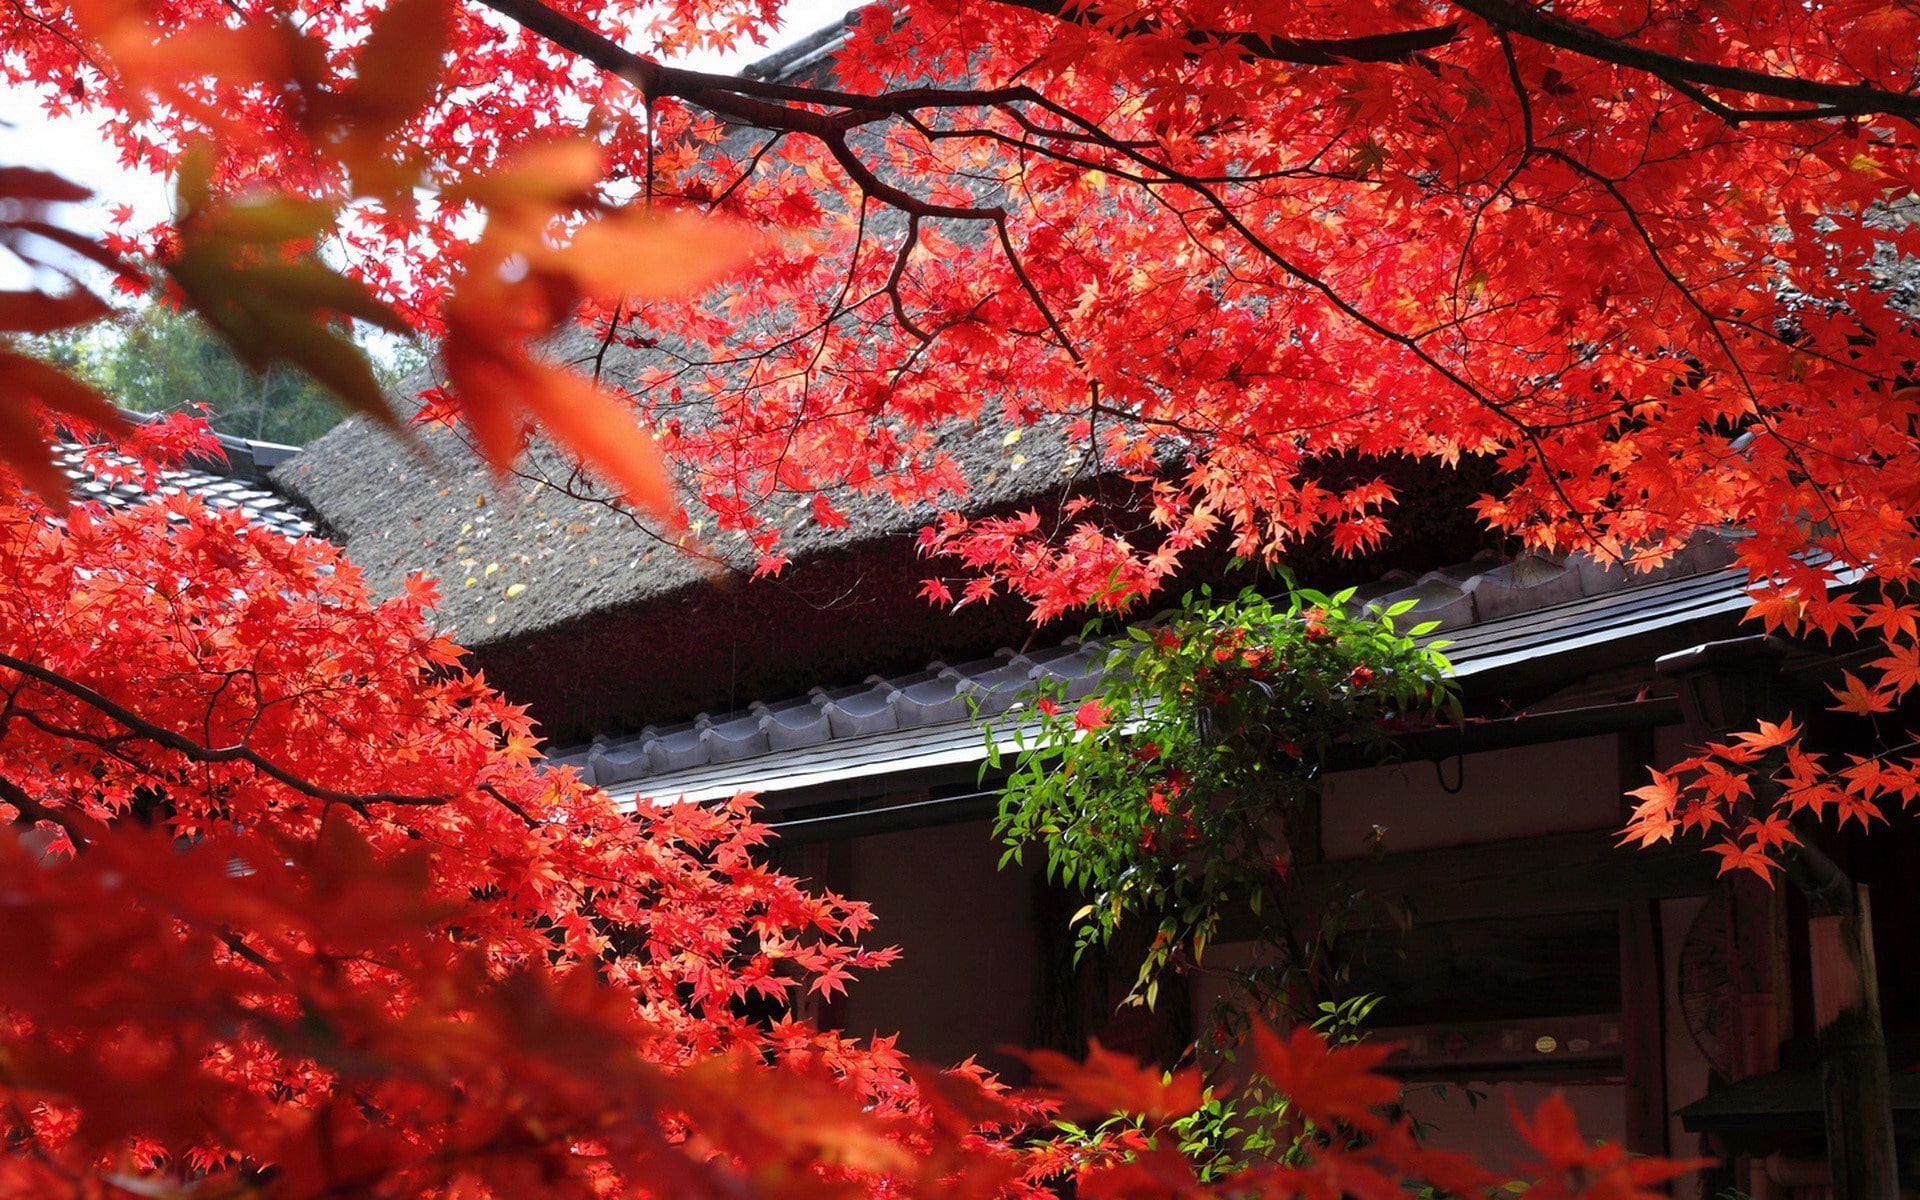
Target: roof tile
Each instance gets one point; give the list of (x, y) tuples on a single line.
[(1495, 613), (261, 506)]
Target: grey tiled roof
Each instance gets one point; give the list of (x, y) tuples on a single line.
[(238, 483), (1494, 615), (941, 695)]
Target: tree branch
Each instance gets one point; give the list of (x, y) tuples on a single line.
[(769, 105), (32, 812), (1404, 46), (188, 748), (1857, 99)]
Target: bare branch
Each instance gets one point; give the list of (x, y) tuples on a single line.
[(898, 275)]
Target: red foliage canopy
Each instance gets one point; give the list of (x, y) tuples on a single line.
[(1602, 242)]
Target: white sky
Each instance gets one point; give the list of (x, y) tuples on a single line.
[(78, 148)]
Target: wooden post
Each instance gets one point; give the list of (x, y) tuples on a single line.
[(1643, 1027), (1757, 974), (1854, 1078), (1643, 983)]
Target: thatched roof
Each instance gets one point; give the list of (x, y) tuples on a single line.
[(519, 555), (599, 624), (537, 580)]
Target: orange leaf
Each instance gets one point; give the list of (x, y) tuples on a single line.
[(1161, 1174), (1900, 667), (1663, 791), (1735, 857), (1848, 806), (545, 174), (1811, 797), (1770, 735), (1113, 1083), (150, 60), (398, 69), (603, 433), (1574, 1165), (489, 399), (959, 1102), (1329, 1084), (1858, 698), (1892, 619), (1555, 1136), (1777, 609), (1775, 830), (1653, 819), (634, 252)]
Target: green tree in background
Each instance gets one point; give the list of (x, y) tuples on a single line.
[(157, 360)]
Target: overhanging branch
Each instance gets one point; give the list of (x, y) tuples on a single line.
[(1401, 46), (771, 105), (1850, 99)]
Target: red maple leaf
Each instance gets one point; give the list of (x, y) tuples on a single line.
[(1091, 715), (1330, 1085), (1108, 1083)]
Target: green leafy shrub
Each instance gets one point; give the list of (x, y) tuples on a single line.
[(1175, 795)]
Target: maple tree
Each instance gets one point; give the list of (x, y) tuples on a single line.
[(293, 910), (298, 899)]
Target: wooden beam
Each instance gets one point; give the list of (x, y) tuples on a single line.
[(1551, 873), (1571, 1047)]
